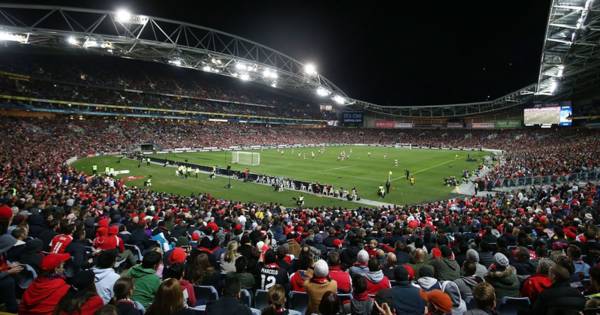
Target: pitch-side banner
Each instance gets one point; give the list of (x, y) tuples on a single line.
[(385, 124)]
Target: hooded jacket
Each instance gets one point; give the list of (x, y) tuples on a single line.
[(105, 280), (466, 285), (534, 285), (359, 269), (42, 296), (446, 269), (459, 306), (428, 283), (473, 255), (146, 284), (376, 282), (505, 282)]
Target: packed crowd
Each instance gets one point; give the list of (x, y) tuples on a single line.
[(78, 244), (120, 82)]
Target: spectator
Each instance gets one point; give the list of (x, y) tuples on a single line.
[(446, 268), (341, 277), (146, 282), (229, 258), (108, 310), (177, 271), (459, 306), (438, 302), (582, 269), (376, 280), (7, 282), (418, 260), (361, 267), (361, 303), (560, 298), (522, 263), (503, 277), (105, 275), (169, 300), (82, 298), (46, 291), (246, 279), (469, 280), (304, 270), (277, 301), (540, 281), (123, 292), (202, 272), (403, 297), (426, 280), (229, 303), (473, 256), (318, 285), (270, 273), (390, 265), (485, 300), (330, 304)]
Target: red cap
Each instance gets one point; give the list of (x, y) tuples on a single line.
[(436, 252), (5, 212), (213, 226), (413, 224), (178, 256), (337, 243), (237, 227), (195, 235), (52, 261)]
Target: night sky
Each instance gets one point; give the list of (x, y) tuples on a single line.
[(390, 53)]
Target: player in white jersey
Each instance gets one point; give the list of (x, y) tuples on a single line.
[(396, 162)]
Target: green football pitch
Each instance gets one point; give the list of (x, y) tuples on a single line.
[(365, 169)]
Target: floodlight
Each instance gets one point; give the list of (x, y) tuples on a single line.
[(310, 69), (90, 43), (72, 41), (339, 99), (206, 69), (215, 61), (10, 37), (241, 66), (176, 62), (321, 91), (270, 74), (244, 77), (123, 16), (274, 84)]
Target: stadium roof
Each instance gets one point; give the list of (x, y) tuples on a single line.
[(570, 60), (129, 35)]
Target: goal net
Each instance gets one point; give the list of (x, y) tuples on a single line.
[(245, 158)]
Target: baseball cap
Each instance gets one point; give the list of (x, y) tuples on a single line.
[(52, 261)]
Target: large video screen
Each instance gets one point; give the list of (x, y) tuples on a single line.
[(352, 117), (566, 113), (551, 115)]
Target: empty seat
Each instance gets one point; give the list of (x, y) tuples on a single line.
[(261, 299), (512, 305), (246, 297), (299, 301), (205, 294)]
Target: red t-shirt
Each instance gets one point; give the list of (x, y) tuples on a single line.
[(59, 243)]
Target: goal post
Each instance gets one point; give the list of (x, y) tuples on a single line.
[(245, 158)]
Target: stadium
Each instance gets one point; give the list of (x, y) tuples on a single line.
[(152, 165)]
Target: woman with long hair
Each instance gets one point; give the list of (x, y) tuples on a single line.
[(202, 272), (169, 300), (82, 298), (229, 257)]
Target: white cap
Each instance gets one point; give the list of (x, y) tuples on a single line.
[(321, 268), (363, 256)]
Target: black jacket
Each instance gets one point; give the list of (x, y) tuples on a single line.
[(227, 305), (561, 299)]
